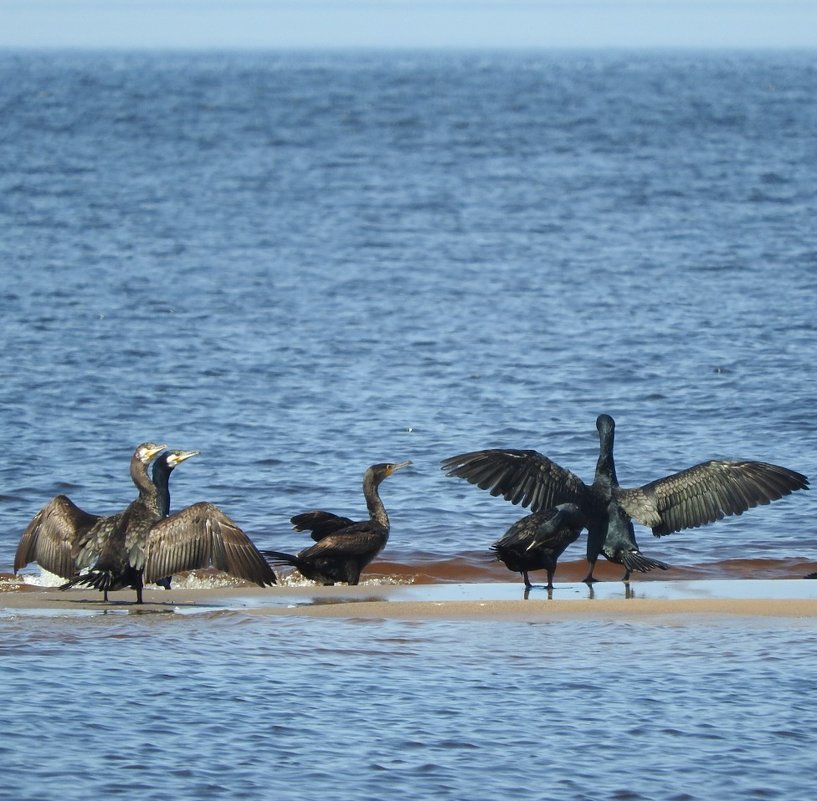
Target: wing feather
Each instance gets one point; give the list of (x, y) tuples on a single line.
[(707, 492), (359, 540), (523, 477), (202, 536), (51, 537), (320, 523)]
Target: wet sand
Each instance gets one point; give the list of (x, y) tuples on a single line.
[(608, 600)]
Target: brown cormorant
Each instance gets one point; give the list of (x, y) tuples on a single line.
[(144, 547), (58, 536), (690, 498), (342, 548), (538, 540)]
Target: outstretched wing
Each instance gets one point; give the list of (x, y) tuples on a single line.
[(524, 477), (201, 536), (52, 535), (320, 524), (707, 492)]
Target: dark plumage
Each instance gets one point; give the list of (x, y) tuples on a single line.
[(164, 465), (537, 541), (342, 548), (202, 536), (142, 546), (59, 536), (320, 524), (687, 499)]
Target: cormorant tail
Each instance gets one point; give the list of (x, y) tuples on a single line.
[(635, 561), (102, 580), (280, 558)]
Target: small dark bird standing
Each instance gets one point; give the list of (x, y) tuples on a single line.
[(342, 547), (537, 541), (164, 465)]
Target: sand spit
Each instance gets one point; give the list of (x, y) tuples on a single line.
[(500, 601)]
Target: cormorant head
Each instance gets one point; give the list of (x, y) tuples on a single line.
[(148, 451), (175, 458), (383, 470), (605, 424)]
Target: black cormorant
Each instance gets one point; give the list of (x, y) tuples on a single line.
[(164, 465), (342, 548), (687, 499), (58, 535), (144, 547), (538, 540)]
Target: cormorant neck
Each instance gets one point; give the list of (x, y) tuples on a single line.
[(377, 511), (606, 465), (147, 489), (161, 481)]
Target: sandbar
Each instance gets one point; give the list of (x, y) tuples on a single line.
[(485, 601)]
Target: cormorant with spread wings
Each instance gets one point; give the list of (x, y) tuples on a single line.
[(139, 545), (690, 498)]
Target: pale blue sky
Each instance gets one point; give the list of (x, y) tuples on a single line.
[(407, 23)]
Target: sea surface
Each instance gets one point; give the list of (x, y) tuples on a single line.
[(304, 263)]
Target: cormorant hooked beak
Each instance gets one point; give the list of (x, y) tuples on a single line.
[(177, 457), (393, 468), (149, 451)]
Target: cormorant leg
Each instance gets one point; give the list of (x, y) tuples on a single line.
[(528, 585), (138, 588), (105, 596), (588, 579), (626, 576), (550, 582)]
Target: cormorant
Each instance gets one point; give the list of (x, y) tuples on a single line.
[(538, 540), (687, 499), (164, 465), (162, 468), (142, 546), (342, 548), (58, 535)]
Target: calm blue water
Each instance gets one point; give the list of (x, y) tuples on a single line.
[(303, 264), (237, 707)]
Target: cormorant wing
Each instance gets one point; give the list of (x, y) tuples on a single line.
[(201, 536), (550, 530), (707, 492), (524, 477), (357, 540), (52, 535), (92, 543), (544, 528), (319, 523)]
